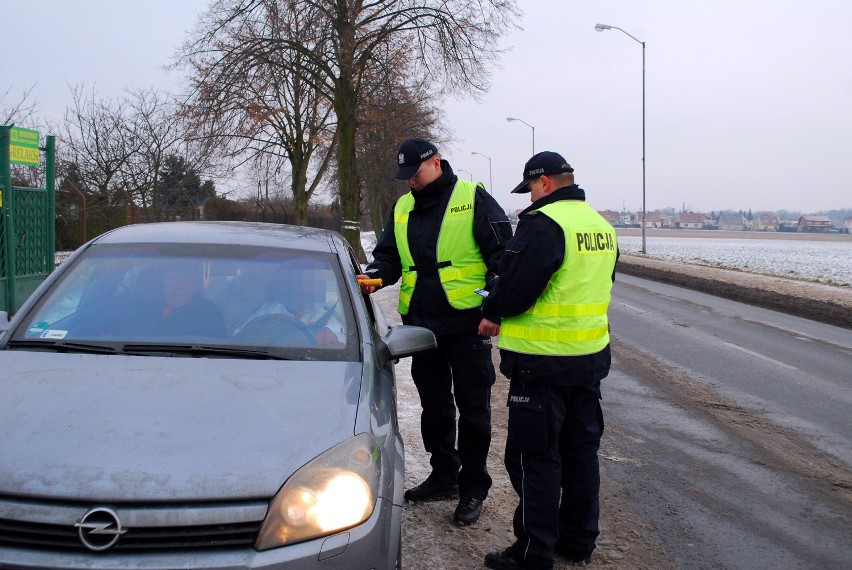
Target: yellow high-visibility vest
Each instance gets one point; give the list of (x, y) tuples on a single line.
[(570, 318), (460, 264)]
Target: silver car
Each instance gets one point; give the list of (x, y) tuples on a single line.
[(202, 395)]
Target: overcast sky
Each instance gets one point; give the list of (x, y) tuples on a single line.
[(748, 102)]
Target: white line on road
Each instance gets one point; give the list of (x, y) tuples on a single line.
[(637, 309), (766, 358)]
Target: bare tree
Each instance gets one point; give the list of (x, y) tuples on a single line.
[(154, 123), (454, 42), (21, 111), (268, 176), (255, 105), (393, 106), (97, 138)]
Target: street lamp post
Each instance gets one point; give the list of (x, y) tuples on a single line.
[(469, 175), (510, 119), (601, 28), (490, 182)]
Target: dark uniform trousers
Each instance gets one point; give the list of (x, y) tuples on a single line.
[(553, 439), (460, 374)]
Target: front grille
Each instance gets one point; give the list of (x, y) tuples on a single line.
[(36, 524), (17, 533)]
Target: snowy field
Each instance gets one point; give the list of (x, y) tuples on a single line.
[(822, 261)]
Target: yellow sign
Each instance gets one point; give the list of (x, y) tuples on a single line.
[(23, 146)]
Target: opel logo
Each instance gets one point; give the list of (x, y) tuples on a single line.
[(99, 529)]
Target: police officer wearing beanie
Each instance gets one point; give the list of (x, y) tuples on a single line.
[(550, 309), (445, 239)]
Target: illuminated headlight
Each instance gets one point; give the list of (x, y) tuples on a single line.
[(335, 491)]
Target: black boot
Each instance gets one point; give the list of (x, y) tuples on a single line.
[(433, 489), (468, 511), (502, 560)]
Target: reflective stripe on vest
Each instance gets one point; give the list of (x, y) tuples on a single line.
[(570, 316), (461, 268)]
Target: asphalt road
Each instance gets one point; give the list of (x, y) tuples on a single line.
[(727, 444), (731, 428)]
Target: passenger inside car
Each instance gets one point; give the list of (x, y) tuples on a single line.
[(178, 307)]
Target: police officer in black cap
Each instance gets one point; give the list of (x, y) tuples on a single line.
[(445, 239), (550, 309)]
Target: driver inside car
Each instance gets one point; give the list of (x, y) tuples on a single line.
[(297, 289)]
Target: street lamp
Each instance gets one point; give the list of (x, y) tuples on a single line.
[(510, 119), (601, 28), (469, 175), (489, 170)]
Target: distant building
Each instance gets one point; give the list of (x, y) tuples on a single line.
[(689, 221), (814, 224), (613, 217), (846, 227), (652, 219), (767, 223), (732, 221)]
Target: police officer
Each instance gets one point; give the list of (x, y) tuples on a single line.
[(445, 239), (552, 297)]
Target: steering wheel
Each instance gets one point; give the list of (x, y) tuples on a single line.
[(277, 329)]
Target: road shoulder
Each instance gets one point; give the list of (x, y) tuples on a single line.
[(824, 303)]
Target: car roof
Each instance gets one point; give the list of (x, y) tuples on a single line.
[(236, 233)]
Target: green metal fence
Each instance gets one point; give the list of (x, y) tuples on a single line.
[(27, 227)]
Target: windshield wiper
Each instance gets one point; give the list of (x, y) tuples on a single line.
[(63, 346), (199, 350)]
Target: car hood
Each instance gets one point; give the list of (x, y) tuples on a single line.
[(133, 428)]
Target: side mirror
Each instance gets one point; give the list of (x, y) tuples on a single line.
[(405, 340)]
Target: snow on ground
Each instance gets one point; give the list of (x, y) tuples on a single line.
[(368, 242), (821, 261)]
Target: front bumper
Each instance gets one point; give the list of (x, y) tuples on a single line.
[(372, 544)]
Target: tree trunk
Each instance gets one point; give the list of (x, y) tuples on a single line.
[(300, 200), (350, 196), (345, 103)]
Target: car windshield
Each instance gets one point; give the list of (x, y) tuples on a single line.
[(199, 300)]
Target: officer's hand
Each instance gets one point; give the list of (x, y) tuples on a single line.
[(365, 288), (488, 328)]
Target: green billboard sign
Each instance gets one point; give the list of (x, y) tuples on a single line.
[(23, 146)]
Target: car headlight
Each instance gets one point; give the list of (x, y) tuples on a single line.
[(334, 491)]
